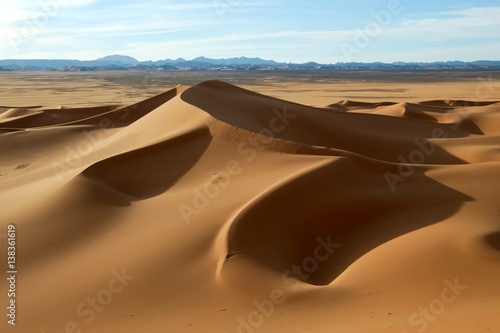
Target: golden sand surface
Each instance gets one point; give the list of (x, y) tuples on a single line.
[(259, 202)]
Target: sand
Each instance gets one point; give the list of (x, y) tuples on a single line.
[(276, 208)]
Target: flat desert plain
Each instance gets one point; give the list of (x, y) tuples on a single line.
[(242, 202)]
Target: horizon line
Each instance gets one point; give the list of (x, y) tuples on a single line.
[(250, 57)]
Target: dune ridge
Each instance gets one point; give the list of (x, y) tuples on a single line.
[(214, 198)]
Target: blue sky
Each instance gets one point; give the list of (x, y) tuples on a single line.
[(325, 31)]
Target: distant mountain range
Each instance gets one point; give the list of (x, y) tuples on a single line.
[(121, 62)]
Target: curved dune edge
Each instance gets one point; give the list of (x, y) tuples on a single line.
[(214, 196)]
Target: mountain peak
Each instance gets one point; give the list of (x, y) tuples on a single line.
[(119, 59)]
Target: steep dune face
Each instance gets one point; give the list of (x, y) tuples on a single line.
[(342, 200), (216, 209)]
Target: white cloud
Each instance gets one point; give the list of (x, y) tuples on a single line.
[(9, 14), (474, 23)]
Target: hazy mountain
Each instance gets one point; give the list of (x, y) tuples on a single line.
[(117, 59), (123, 62), (236, 61)]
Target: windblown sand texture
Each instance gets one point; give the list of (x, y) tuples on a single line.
[(213, 208)]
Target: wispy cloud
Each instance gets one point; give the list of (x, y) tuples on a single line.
[(475, 23), (277, 29), (10, 14)]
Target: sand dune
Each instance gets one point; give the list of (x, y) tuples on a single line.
[(213, 208)]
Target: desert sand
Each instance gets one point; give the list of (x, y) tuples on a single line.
[(267, 206)]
